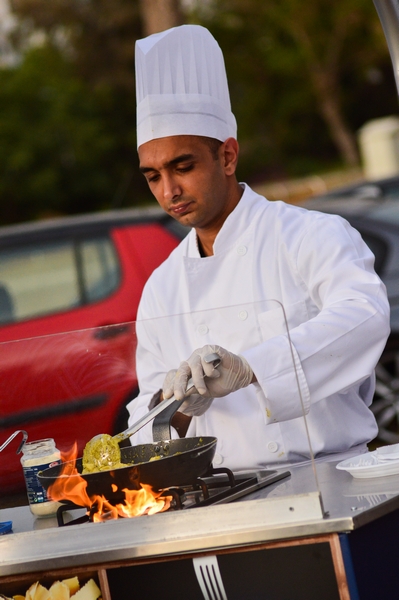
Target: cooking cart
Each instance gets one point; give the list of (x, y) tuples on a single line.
[(297, 531), (274, 543)]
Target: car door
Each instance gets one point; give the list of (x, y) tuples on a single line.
[(67, 334)]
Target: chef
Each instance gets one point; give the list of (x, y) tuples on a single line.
[(287, 297)]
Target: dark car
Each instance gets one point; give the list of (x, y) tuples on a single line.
[(382, 189), (373, 209), (69, 292)]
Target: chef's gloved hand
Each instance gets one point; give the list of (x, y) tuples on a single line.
[(194, 406), (232, 374)]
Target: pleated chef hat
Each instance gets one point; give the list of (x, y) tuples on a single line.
[(181, 86)]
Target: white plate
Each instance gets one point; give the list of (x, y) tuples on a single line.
[(368, 465), (390, 452)]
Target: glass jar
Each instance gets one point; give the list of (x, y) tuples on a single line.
[(37, 456)]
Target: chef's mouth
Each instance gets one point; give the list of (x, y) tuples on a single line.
[(180, 208)]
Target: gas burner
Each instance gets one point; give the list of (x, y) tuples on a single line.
[(67, 507), (218, 486)]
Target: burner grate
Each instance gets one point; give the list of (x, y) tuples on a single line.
[(237, 485), (218, 486)]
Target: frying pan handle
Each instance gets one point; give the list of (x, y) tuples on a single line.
[(162, 422)]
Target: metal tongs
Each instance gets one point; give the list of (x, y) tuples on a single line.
[(10, 439), (213, 359)]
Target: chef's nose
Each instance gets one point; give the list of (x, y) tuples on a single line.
[(171, 189)]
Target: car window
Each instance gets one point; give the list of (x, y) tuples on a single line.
[(100, 268), (43, 278)]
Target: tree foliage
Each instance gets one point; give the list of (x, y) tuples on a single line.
[(98, 36), (67, 111), (298, 71), (64, 147), (303, 78)]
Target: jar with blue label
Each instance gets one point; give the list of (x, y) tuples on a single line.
[(38, 456)]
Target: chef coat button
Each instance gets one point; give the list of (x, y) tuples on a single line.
[(218, 459), (241, 250), (202, 329), (272, 446), (243, 315)]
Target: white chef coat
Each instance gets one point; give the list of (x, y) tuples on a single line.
[(268, 255)]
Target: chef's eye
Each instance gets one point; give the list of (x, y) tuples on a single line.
[(186, 168), (152, 178)]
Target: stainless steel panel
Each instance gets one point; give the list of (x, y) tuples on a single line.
[(262, 517)]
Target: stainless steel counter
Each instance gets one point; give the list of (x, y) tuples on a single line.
[(287, 509)]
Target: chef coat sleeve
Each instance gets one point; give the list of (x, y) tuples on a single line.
[(338, 347)]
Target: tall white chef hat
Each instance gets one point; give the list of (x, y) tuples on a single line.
[(181, 86)]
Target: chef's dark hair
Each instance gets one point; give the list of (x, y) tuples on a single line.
[(213, 145)]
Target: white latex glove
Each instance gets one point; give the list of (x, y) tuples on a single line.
[(194, 406), (232, 374)]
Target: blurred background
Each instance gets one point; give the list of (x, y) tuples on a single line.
[(304, 79)]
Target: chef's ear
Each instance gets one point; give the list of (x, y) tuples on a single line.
[(230, 151)]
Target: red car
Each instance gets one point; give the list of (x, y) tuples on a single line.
[(69, 292)]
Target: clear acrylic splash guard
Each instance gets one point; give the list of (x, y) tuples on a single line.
[(71, 386)]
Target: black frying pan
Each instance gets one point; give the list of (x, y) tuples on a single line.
[(177, 462)]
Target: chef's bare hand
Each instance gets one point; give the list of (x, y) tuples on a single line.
[(232, 374)]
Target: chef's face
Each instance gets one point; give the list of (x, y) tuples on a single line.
[(192, 182)]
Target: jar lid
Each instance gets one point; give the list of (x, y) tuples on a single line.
[(37, 445)]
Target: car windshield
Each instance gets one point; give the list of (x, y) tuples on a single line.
[(388, 212)]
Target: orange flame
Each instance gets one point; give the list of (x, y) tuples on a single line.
[(69, 485)]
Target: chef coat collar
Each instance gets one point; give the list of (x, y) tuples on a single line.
[(233, 228)]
